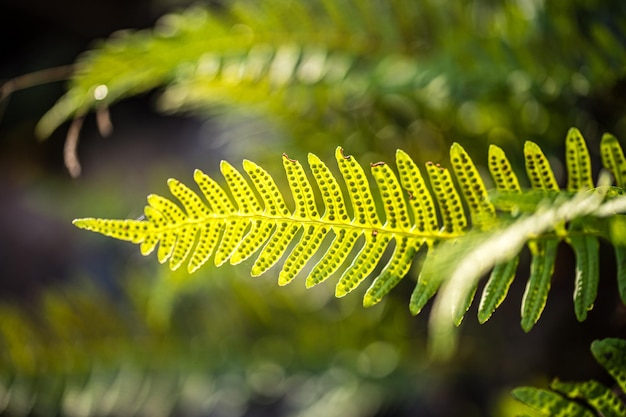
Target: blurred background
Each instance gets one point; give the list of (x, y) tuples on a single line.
[(88, 327)]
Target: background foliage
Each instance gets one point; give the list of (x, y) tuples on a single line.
[(418, 78)]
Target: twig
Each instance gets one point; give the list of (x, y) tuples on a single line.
[(32, 79), (69, 150)]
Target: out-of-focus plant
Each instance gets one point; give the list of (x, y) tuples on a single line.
[(197, 346), (369, 75)]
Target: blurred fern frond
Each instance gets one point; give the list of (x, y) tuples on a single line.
[(465, 233), (163, 347), (244, 53), (351, 67), (589, 398)]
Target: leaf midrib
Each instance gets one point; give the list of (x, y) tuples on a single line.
[(413, 234)]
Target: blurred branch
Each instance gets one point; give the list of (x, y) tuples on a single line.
[(32, 79)]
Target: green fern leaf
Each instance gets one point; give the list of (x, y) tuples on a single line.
[(397, 267), (586, 248), (597, 395), (482, 211), (611, 354), (454, 220), (235, 229), (251, 217), (247, 54), (536, 293), (578, 398), (496, 288), (538, 168), (502, 276), (501, 170), (578, 162), (550, 404), (425, 215), (307, 210), (301, 52), (336, 211), (365, 215), (427, 285), (397, 215), (420, 199), (448, 199), (543, 252), (613, 159), (474, 254), (285, 231)]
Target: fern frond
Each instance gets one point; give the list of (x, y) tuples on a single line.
[(466, 232), (580, 398), (76, 345), (238, 54), (353, 67), (237, 226)]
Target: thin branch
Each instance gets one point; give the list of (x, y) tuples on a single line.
[(69, 150), (32, 79)]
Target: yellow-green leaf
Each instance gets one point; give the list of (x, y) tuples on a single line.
[(595, 394), (419, 198), (542, 265), (611, 354), (613, 158), (450, 206), (472, 187), (501, 171), (550, 404), (578, 162), (538, 168), (496, 289)]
